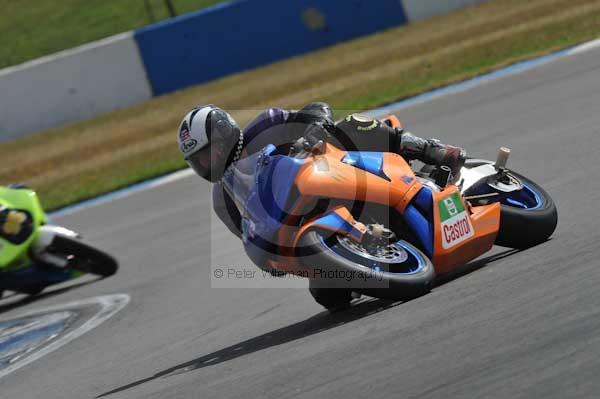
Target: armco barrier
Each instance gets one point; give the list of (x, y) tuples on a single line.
[(71, 86), (222, 40)]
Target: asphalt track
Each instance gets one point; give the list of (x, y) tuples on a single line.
[(513, 325)]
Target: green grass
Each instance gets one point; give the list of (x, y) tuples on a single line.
[(86, 159), (33, 28)]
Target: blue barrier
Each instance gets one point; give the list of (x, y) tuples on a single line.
[(229, 38)]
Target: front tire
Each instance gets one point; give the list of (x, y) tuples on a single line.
[(332, 299), (85, 258), (399, 281)]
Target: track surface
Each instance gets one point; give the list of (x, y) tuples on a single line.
[(523, 324)]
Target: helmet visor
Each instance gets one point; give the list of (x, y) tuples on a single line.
[(200, 162)]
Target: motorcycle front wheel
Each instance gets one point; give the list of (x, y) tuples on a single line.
[(340, 265), (84, 257)]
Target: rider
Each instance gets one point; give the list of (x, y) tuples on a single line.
[(210, 141)]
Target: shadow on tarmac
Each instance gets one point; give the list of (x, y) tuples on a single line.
[(320, 322), (28, 299)]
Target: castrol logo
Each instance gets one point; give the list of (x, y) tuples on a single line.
[(455, 223)]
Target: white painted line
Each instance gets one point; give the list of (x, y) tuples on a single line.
[(388, 109), (110, 305), (124, 192), (510, 70), (582, 48)]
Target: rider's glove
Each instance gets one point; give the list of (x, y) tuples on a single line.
[(316, 135), (432, 152), (444, 154)]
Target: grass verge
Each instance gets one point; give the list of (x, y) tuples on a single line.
[(93, 157), (33, 28)]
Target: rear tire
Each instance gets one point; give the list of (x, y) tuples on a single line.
[(86, 258), (525, 228)]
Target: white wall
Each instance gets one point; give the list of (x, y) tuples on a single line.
[(420, 9), (101, 77), (72, 85)]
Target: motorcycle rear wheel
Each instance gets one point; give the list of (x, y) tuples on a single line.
[(529, 219)]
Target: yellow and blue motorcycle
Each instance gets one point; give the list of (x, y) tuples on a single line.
[(35, 254)]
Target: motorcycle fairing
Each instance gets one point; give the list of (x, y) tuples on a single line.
[(339, 220), (272, 189), (327, 176), (262, 186), (485, 222), (371, 162), (16, 254)]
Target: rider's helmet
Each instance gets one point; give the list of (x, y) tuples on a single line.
[(209, 140)]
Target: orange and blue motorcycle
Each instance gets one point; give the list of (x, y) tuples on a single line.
[(369, 223)]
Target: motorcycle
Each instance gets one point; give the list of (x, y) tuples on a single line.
[(368, 223), (35, 254)]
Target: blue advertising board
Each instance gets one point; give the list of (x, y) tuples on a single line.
[(240, 35)]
